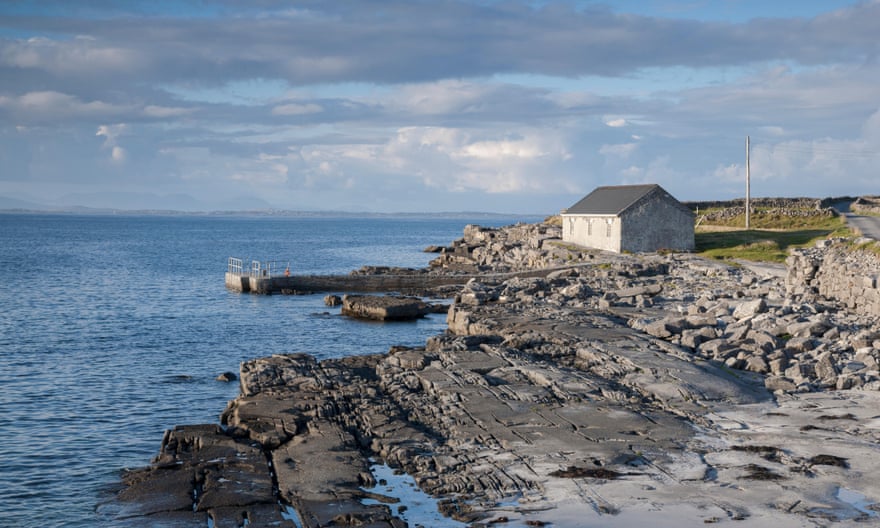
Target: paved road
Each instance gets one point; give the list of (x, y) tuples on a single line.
[(764, 269), (868, 226)]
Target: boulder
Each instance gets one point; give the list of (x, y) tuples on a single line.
[(779, 383), (799, 345), (825, 368), (750, 308), (807, 328), (383, 307), (332, 300), (693, 338)]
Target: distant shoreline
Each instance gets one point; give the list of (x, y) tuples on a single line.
[(264, 213)]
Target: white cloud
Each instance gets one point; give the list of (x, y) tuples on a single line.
[(111, 135), (448, 158), (573, 99), (79, 56), (440, 97), (452, 159), (51, 104), (111, 132), (294, 109), (503, 149), (804, 161), (388, 112), (620, 150), (263, 174), (441, 139), (317, 67), (729, 173), (871, 128), (661, 170), (118, 154), (633, 172), (772, 130), (165, 111)]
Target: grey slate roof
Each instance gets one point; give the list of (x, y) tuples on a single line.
[(611, 200)]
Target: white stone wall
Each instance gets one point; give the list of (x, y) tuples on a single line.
[(600, 232)]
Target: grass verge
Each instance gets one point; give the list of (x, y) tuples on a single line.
[(763, 245)]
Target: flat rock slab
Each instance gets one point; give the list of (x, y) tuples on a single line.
[(548, 402), (498, 432), (383, 307), (202, 474)]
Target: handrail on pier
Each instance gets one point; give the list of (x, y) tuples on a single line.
[(266, 268)]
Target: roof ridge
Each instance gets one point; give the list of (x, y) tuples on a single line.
[(612, 199)]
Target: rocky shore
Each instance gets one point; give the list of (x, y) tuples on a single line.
[(610, 390)]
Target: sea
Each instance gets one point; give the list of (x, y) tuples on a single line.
[(114, 328)]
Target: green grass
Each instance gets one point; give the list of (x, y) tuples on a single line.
[(763, 245), (555, 220), (871, 246)]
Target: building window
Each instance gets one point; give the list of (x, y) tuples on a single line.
[(590, 227), (571, 226), (608, 224)]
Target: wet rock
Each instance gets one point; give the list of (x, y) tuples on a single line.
[(383, 307), (585, 372), (332, 300), (201, 473), (227, 377)]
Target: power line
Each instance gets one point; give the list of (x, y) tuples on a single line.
[(830, 151)]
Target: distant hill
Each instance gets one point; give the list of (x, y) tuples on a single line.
[(183, 206), (7, 203)]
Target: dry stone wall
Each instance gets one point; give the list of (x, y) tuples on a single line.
[(782, 207), (835, 270), (866, 205), (772, 203)]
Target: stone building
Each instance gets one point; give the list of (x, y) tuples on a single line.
[(634, 218)]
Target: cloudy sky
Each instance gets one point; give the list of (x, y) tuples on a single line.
[(437, 105)]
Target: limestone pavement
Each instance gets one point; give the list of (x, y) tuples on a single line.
[(614, 390)]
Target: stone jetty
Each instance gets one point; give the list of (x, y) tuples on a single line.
[(608, 390)]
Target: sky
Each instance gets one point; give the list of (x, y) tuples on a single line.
[(507, 106)]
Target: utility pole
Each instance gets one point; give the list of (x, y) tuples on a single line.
[(748, 188)]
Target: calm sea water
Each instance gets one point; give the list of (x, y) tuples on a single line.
[(114, 328)]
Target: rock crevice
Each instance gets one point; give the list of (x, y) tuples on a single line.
[(619, 385)]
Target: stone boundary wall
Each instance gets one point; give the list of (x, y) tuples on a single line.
[(833, 269), (866, 205), (787, 207), (774, 203)]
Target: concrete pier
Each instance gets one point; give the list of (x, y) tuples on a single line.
[(267, 280), (340, 283)]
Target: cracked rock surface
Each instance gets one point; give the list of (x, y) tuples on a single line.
[(612, 390)]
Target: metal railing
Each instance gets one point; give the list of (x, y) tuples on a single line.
[(234, 266), (256, 268)]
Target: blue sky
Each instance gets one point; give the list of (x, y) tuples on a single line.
[(444, 105)]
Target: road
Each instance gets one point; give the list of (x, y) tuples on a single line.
[(868, 226)]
